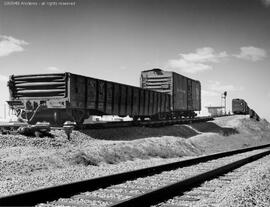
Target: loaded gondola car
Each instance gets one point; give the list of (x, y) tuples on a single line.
[(57, 98)]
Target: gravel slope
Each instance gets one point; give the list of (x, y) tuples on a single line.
[(29, 163)]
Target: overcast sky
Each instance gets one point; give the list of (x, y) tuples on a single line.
[(223, 43)]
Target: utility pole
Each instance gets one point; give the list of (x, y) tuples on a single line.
[(223, 96)]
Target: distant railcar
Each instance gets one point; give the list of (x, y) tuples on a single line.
[(185, 93), (257, 117), (57, 98), (251, 113), (240, 106), (254, 115)]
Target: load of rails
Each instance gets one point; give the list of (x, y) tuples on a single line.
[(240, 106), (57, 98)]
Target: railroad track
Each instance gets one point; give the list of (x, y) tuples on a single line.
[(149, 123), (11, 128), (144, 187)]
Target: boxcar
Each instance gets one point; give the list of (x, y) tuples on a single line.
[(57, 98), (185, 92), (240, 106)]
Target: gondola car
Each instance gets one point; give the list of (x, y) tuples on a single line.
[(57, 98)]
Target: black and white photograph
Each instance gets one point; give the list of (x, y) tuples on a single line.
[(135, 103)]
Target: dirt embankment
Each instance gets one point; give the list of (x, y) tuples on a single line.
[(116, 145)]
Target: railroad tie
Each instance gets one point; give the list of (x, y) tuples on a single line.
[(143, 190), (199, 194), (124, 193), (207, 189), (187, 198), (96, 197), (226, 180), (173, 205), (70, 203)]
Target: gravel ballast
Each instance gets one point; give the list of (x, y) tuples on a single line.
[(251, 188)]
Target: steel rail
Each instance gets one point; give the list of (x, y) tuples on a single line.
[(169, 191), (67, 190)]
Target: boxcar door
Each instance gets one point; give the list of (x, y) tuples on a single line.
[(189, 95)]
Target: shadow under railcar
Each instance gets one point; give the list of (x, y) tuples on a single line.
[(132, 133)]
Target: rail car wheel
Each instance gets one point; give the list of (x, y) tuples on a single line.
[(79, 116), (37, 134), (154, 117), (168, 116), (59, 117), (135, 118)]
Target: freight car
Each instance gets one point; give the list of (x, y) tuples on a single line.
[(57, 98), (240, 106), (185, 93)]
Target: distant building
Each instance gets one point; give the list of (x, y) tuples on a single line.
[(216, 110)]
